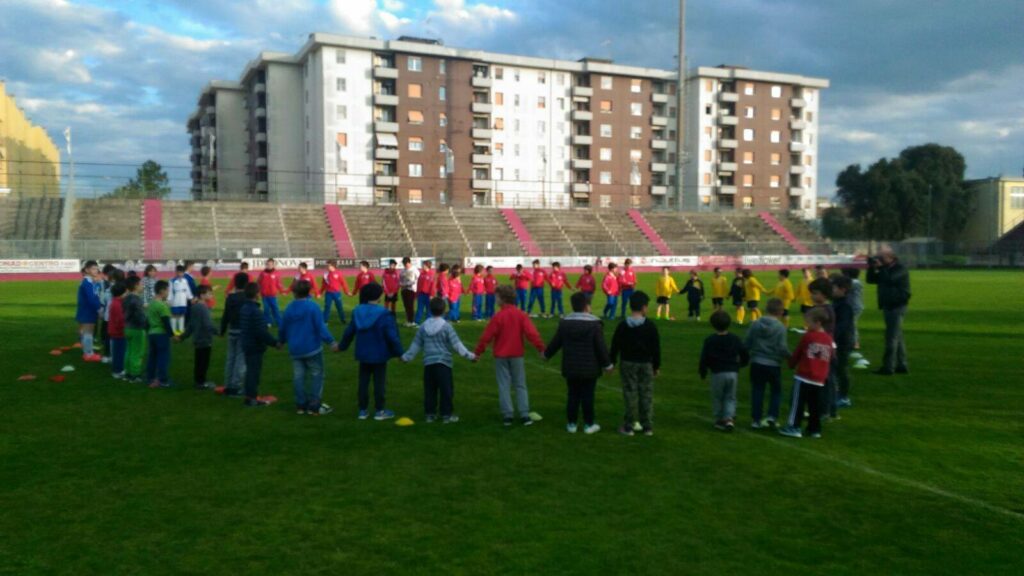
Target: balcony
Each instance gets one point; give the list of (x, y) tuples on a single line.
[(196, 150), (728, 97), (798, 103), (582, 139), (659, 167), (727, 167), (482, 108), (659, 190), (259, 87), (797, 169), (386, 154), (796, 191), (385, 99), (728, 143), (659, 144), (727, 189), (581, 188), (385, 72), (482, 184), (797, 147), (660, 98), (386, 127), (261, 112), (261, 162), (482, 133), (481, 82), (728, 120), (261, 186), (797, 124), (211, 110), (261, 137), (582, 115), (482, 159), (582, 163), (659, 121), (582, 91), (386, 180)]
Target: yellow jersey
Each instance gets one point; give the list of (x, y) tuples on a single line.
[(784, 291), (719, 287), (666, 287), (803, 293), (752, 289)]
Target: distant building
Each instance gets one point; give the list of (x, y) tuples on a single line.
[(997, 207), (29, 160)]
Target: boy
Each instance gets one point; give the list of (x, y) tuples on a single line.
[(376, 335), (737, 292), (610, 287), (391, 282), (304, 331), (522, 280), (509, 327), (584, 357), (270, 286), (135, 330), (243, 268), (407, 280), (364, 277), (627, 284), (230, 325), (255, 337), (158, 315), (856, 299), (557, 280), (436, 338), (305, 276), (719, 290), (811, 360), (148, 284), (88, 311), (115, 329), (478, 288), (442, 282), (752, 289), (694, 291), (490, 292), (637, 341), (333, 285), (803, 292), (821, 293), (586, 283), (766, 341), (663, 291), (202, 330), (424, 291), (784, 292), (103, 290), (204, 280), (181, 295), (537, 280), (455, 289), (723, 355), (845, 338)]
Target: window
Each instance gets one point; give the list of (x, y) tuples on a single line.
[(499, 149), (606, 201), (605, 178), (561, 79), (748, 180), (542, 78), (415, 196), (775, 201), (560, 176), (561, 104), (748, 157), (341, 111), (341, 195), (515, 100), (415, 90), (499, 123), (515, 152), (339, 56), (1017, 197), (636, 178), (340, 84), (776, 91), (707, 155), (776, 158), (442, 119), (748, 202), (748, 88), (606, 154), (499, 73), (635, 85), (707, 110), (775, 136), (748, 134), (774, 181), (415, 64), (442, 171), (542, 102), (636, 132), (415, 117), (515, 74), (636, 108), (342, 139), (810, 116), (808, 181), (808, 160), (605, 106), (707, 178), (542, 127), (606, 82), (748, 112), (709, 85), (416, 170), (442, 93), (707, 131), (606, 131), (515, 126), (542, 152), (415, 144), (636, 155), (499, 173), (442, 67)]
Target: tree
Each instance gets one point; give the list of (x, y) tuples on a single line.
[(150, 182)]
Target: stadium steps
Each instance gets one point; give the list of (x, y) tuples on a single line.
[(152, 229), (307, 231), (339, 231), (545, 233), (377, 232), (487, 232), (8, 217), (624, 229), (652, 235), (522, 232), (782, 231), (434, 233), (678, 233), (106, 228)]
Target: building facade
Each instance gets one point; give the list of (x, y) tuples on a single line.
[(29, 160), (217, 132), (997, 208)]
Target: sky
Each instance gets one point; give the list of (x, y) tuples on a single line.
[(125, 74)]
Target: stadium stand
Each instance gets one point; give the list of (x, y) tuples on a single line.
[(378, 231), (483, 226), (107, 228), (30, 218), (677, 232), (435, 233), (650, 233), (547, 234)]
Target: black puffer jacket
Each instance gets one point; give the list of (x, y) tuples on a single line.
[(580, 336), (893, 285)]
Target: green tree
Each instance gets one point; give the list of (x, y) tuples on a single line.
[(150, 182)]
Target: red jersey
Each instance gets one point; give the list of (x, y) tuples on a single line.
[(477, 285), (115, 325), (557, 280), (610, 284), (627, 281), (812, 358), (313, 290), (490, 284), (586, 283), (507, 329), (231, 283), (540, 277), (364, 278), (390, 280), (270, 283), (425, 284), (454, 289), (442, 285), (333, 282), (522, 279), (211, 301)]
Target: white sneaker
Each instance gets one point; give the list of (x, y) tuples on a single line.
[(592, 429), (105, 360), (570, 428), (637, 427)]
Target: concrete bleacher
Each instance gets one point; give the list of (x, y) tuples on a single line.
[(678, 233), (626, 233), (757, 233), (586, 232), (107, 228), (486, 225), (307, 231), (547, 233), (435, 233), (377, 231), (30, 218)]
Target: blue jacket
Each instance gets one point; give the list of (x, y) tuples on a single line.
[(376, 334), (303, 329), (88, 303), (255, 336)]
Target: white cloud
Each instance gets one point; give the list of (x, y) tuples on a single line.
[(355, 16), (393, 5), (458, 13), (391, 22)]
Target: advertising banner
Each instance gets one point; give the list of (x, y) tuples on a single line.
[(39, 266)]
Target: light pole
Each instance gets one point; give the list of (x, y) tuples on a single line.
[(681, 105), (69, 201)]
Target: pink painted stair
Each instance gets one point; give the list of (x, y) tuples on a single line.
[(781, 230), (152, 229), (652, 235), (519, 229), (339, 230)]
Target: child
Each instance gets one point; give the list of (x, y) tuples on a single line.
[(557, 280), (784, 292), (490, 292), (723, 355), (255, 337), (442, 282), (538, 278), (364, 277), (455, 289), (148, 284), (820, 290), (391, 282), (270, 286), (845, 338), (856, 299), (803, 292), (181, 295), (639, 344), (627, 284), (522, 280), (115, 329), (88, 311), (663, 291), (304, 330), (158, 315), (719, 290), (376, 335), (305, 276), (407, 279), (436, 338), (103, 290), (737, 292), (204, 280), (333, 285), (135, 330), (478, 288), (425, 288), (509, 327), (230, 325), (766, 341), (610, 287), (243, 268), (811, 359), (586, 283), (584, 357), (752, 289), (202, 330), (694, 291)]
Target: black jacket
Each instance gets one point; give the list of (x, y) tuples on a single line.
[(722, 353), (844, 332), (255, 336), (232, 312), (580, 337), (694, 290), (893, 285), (640, 344)]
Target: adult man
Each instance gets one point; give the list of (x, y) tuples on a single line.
[(407, 280), (893, 280)]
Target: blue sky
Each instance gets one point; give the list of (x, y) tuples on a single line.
[(125, 74)]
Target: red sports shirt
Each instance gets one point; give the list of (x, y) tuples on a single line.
[(812, 358), (490, 284), (477, 285), (586, 283), (610, 284), (425, 285), (364, 278), (333, 282), (391, 281), (627, 281), (557, 279)]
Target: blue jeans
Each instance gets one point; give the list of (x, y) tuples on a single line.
[(611, 307), (521, 298), (536, 295), (422, 307), (556, 302), (478, 306), (271, 311), (454, 312), (762, 376), (489, 301), (118, 347), (234, 362), (159, 361), (312, 366), (626, 293), (253, 371), (333, 299)]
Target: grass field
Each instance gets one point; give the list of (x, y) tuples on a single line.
[(925, 475)]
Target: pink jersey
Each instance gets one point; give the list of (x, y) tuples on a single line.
[(390, 279), (425, 285), (454, 289), (364, 278), (539, 278), (557, 279), (490, 284), (628, 279), (586, 283), (477, 285), (610, 284), (442, 285)]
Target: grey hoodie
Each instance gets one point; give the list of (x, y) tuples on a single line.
[(437, 339), (766, 341)]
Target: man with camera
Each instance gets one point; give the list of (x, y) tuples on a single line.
[(893, 281)]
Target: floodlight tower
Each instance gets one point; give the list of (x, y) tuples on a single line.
[(681, 105)]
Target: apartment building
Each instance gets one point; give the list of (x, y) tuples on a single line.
[(997, 207), (752, 140), (29, 160), (217, 132)]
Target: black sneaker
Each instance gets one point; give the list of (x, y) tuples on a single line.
[(204, 386), (883, 372), (255, 403), (903, 370), (507, 422), (232, 392)]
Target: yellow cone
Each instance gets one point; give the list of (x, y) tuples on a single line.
[(403, 421)]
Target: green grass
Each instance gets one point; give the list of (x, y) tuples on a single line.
[(924, 474)]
